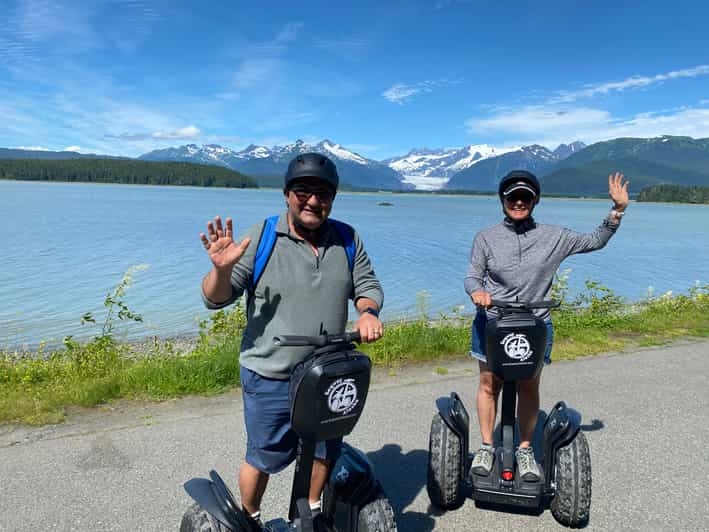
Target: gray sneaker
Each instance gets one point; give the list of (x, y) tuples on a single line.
[(482, 462), (527, 465)]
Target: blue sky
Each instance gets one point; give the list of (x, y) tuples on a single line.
[(124, 77)]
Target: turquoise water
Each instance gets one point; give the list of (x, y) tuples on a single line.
[(66, 245)]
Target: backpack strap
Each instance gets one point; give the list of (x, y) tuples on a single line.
[(267, 241), (347, 236)]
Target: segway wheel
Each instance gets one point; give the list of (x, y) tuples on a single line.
[(377, 515), (197, 519), (444, 474), (571, 504)]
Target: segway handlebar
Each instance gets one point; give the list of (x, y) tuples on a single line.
[(322, 340), (525, 304)]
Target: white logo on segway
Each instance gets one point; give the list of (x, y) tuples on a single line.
[(342, 475), (517, 346), (342, 396)]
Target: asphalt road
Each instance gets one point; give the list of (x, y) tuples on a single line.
[(122, 467)]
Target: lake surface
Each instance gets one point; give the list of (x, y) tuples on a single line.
[(65, 246)]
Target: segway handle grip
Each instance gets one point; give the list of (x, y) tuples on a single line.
[(288, 340), (525, 304)]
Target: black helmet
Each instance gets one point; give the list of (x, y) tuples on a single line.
[(312, 165), (520, 179)]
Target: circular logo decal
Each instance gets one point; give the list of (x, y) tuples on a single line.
[(517, 346), (342, 396)]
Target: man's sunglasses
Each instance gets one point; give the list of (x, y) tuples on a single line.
[(521, 196), (304, 193)]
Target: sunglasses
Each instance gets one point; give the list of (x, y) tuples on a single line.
[(520, 196), (303, 193)]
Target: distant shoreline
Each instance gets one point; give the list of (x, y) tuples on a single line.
[(457, 193)]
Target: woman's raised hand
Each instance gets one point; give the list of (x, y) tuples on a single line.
[(220, 245), (618, 191)]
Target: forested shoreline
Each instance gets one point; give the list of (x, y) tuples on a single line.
[(675, 194), (127, 171)]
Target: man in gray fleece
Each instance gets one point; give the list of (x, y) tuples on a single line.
[(304, 289), (518, 259)]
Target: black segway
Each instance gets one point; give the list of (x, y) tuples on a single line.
[(327, 392), (515, 344)]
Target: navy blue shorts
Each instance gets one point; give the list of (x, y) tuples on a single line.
[(477, 348), (271, 442)]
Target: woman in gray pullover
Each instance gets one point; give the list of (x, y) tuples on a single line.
[(518, 259)]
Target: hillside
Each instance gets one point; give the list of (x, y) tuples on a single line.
[(646, 162), (15, 153), (122, 171)]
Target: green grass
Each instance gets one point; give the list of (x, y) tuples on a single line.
[(37, 391)]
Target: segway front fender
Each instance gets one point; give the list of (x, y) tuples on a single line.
[(561, 427), (214, 496), (352, 478), (455, 416)]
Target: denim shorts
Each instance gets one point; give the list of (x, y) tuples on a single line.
[(477, 348), (271, 442)]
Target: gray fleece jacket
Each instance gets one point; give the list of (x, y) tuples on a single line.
[(298, 293), (510, 261)]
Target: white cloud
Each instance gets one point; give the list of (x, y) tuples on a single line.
[(76, 149), (32, 148), (42, 31), (400, 93), (550, 125), (633, 82), (538, 120), (189, 133)]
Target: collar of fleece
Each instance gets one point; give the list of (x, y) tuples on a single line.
[(520, 227)]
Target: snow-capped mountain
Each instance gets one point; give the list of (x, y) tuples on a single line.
[(565, 150), (431, 169), (191, 153), (355, 170), (477, 167), (487, 173)]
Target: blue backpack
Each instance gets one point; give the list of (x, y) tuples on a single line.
[(267, 242)]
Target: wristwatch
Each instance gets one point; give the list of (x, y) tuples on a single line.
[(617, 214), (371, 310)]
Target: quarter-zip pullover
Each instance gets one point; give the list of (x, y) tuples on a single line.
[(511, 260)]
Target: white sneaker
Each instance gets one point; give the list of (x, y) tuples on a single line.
[(527, 465), (482, 461)]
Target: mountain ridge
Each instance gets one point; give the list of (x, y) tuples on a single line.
[(572, 168)]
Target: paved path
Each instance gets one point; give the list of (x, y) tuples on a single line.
[(121, 468)]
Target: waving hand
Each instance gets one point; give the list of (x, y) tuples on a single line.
[(618, 191), (220, 245)]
